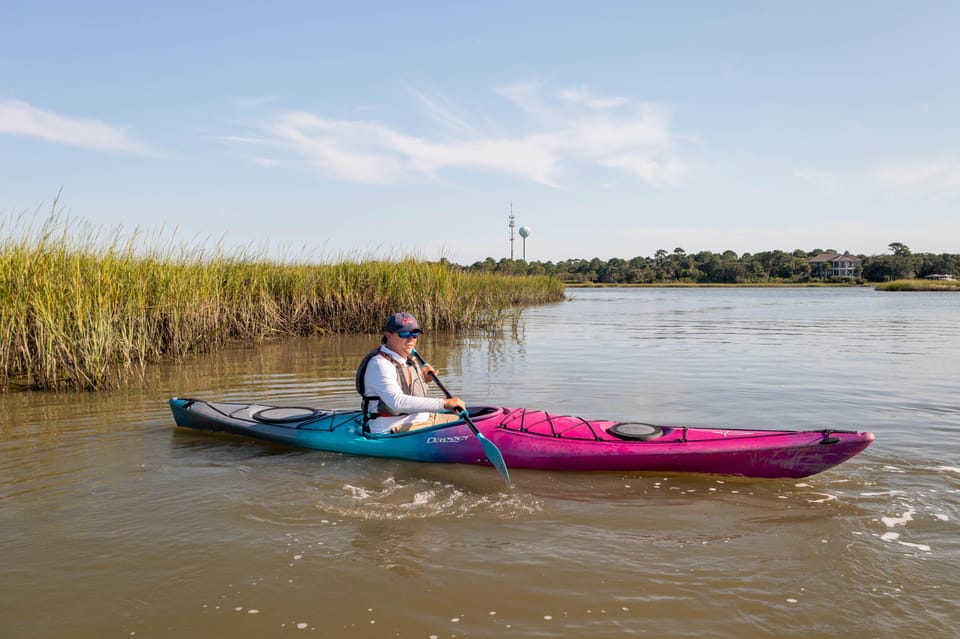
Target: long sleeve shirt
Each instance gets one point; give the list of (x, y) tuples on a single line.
[(380, 380)]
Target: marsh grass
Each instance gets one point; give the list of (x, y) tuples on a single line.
[(81, 308), (919, 285)]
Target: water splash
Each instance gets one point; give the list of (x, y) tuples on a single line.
[(407, 499)]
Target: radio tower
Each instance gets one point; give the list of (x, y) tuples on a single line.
[(511, 230)]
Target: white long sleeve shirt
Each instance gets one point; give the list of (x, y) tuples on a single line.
[(380, 380)]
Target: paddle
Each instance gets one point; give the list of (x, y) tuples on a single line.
[(491, 450)]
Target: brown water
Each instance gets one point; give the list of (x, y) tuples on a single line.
[(113, 523)]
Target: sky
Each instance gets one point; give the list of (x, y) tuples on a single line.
[(321, 131)]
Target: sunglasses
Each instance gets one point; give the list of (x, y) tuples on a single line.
[(407, 334)]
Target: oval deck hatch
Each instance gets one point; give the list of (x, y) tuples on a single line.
[(635, 430), (284, 414)]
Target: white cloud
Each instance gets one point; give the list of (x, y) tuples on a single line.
[(564, 128), (582, 96), (20, 118), (357, 151), (936, 179)]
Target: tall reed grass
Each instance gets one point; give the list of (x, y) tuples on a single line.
[(81, 308)]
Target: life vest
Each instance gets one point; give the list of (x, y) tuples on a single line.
[(416, 386)]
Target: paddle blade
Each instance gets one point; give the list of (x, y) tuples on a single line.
[(495, 457)]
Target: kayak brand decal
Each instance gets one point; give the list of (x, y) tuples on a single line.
[(447, 440)]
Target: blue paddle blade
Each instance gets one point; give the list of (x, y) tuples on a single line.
[(489, 448), (495, 457)]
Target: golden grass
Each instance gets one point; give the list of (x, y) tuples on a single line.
[(919, 285), (84, 309)]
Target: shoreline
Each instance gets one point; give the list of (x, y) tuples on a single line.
[(894, 286)]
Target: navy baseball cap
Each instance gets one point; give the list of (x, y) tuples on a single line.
[(402, 322)]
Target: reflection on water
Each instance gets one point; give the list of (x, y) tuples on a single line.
[(115, 522)]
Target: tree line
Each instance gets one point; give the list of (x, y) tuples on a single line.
[(727, 267)]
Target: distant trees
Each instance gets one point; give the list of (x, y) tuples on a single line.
[(899, 249), (727, 267), (904, 264)]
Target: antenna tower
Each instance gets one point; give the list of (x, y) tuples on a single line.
[(511, 230)]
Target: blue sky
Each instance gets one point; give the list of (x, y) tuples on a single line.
[(321, 130)]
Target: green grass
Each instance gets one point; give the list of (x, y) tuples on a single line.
[(919, 285), (85, 309)]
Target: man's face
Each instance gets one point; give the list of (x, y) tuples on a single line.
[(402, 345)]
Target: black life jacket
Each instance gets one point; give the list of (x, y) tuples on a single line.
[(417, 387)]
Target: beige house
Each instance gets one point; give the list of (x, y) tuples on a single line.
[(835, 265)]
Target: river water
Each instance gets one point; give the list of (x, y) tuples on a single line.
[(114, 523)]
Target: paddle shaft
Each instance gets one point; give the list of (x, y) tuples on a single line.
[(439, 383), (444, 389)]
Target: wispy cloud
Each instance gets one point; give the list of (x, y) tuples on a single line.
[(821, 180), (582, 96), (935, 179), (444, 111), (560, 130), (20, 118)]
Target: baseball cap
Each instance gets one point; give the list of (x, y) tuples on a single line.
[(402, 322)]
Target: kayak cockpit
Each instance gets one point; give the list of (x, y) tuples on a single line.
[(478, 413)]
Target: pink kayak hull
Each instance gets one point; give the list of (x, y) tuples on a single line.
[(536, 439)]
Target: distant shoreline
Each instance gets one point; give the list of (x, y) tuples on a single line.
[(715, 285), (896, 285)]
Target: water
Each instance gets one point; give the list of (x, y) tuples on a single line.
[(115, 523)]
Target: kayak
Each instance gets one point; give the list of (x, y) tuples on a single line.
[(537, 439)]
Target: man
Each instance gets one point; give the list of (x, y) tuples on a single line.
[(394, 386)]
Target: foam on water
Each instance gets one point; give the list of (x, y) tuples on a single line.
[(903, 520), (947, 469), (422, 499), (892, 536)]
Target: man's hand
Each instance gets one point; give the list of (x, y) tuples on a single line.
[(454, 404)]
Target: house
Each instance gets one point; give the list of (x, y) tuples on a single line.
[(835, 265)]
